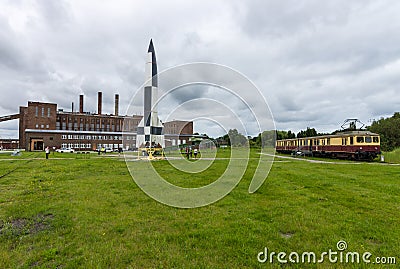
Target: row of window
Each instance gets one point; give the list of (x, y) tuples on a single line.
[(179, 142), (104, 121), (89, 146), (360, 139), (96, 137), (87, 127), (41, 126), (71, 145), (43, 110)]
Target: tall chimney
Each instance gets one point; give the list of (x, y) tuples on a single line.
[(99, 102), (81, 103), (72, 107), (116, 104)]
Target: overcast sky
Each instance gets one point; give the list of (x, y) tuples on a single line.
[(316, 62)]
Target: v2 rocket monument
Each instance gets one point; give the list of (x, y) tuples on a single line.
[(150, 129)]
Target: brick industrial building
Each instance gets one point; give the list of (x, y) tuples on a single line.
[(43, 124)]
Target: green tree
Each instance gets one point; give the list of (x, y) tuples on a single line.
[(268, 138), (307, 133), (389, 131), (236, 138), (285, 135)]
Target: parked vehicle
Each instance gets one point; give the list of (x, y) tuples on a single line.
[(62, 150)]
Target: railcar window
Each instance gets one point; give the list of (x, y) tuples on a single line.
[(351, 140), (360, 139), (375, 139), (328, 141), (368, 139)]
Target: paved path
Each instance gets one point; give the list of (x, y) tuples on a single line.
[(327, 162), (26, 159)]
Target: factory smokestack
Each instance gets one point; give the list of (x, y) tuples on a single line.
[(116, 104), (99, 102), (72, 107), (81, 103)]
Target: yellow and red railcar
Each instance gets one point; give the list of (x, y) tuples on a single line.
[(357, 145)]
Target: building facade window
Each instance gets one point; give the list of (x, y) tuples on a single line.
[(36, 111), (42, 111), (48, 112)]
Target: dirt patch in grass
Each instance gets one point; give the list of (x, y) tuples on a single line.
[(24, 226), (286, 234)]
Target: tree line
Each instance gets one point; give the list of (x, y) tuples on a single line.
[(389, 131)]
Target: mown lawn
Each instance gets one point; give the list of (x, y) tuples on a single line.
[(89, 213)]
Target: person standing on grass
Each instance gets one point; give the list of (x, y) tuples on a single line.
[(195, 153), (47, 150)]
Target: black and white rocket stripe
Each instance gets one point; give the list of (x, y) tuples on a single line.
[(150, 129)]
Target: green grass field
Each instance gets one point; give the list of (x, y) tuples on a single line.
[(392, 156), (89, 213)]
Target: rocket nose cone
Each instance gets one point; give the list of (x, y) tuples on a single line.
[(151, 47)]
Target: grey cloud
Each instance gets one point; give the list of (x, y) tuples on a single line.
[(55, 14), (315, 62)]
